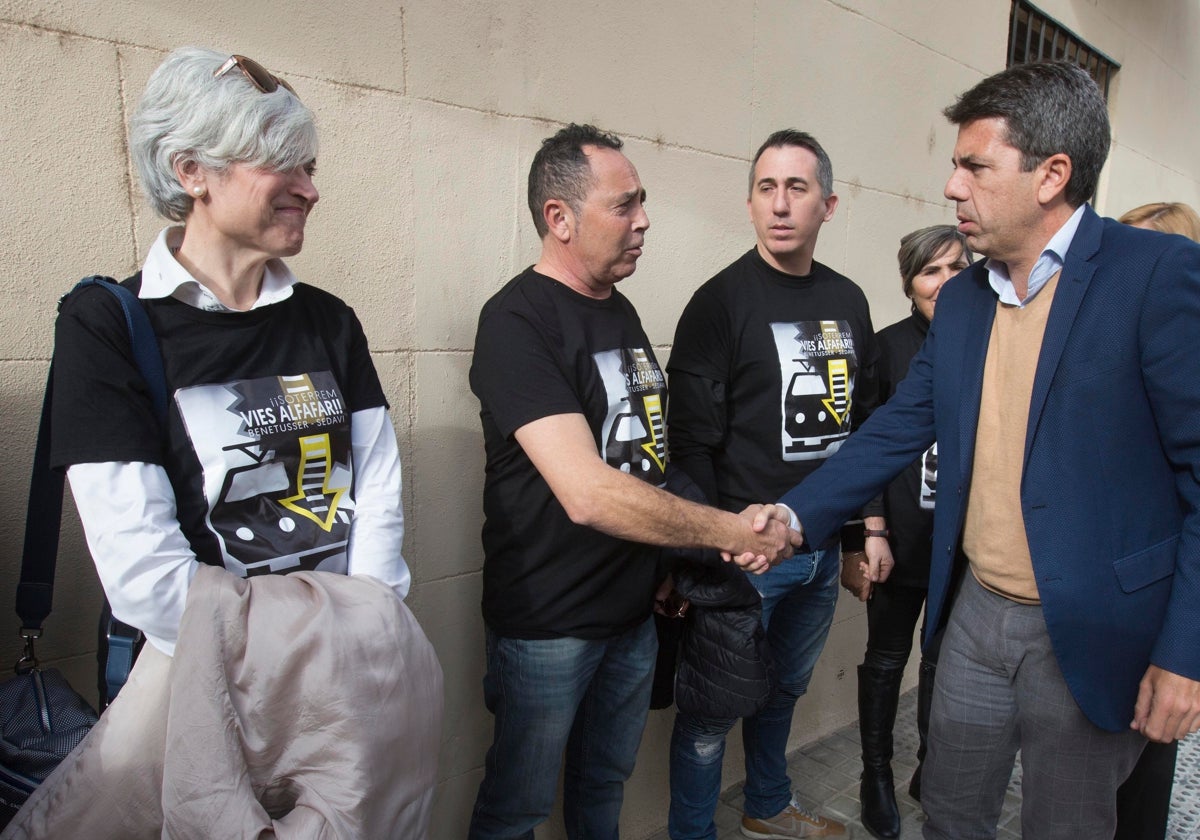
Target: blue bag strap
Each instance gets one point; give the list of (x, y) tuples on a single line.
[(123, 640), (42, 519), (123, 643), (43, 516), (142, 339)]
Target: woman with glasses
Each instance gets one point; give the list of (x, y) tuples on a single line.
[(277, 456)]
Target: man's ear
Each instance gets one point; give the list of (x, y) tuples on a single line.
[(560, 221), (831, 203), (1053, 175)]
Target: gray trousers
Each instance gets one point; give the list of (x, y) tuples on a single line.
[(999, 689)]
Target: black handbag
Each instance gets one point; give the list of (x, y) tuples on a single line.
[(41, 717)]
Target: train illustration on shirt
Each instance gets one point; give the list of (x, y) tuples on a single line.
[(929, 461), (817, 367), (278, 474), (633, 436)]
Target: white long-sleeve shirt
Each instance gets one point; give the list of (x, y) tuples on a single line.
[(128, 509)]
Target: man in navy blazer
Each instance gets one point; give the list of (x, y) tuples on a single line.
[(1061, 380)]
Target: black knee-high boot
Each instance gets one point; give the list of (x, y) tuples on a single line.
[(878, 695), (924, 702)]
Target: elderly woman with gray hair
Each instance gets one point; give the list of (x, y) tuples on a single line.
[(893, 576), (312, 708)]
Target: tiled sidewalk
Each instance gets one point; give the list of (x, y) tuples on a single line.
[(825, 776)]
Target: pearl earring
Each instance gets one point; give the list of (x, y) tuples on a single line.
[(199, 191)]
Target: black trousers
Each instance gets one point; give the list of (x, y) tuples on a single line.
[(1144, 800), (892, 614)]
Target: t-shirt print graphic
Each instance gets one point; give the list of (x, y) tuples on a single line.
[(633, 435), (817, 366), (275, 456), (929, 478)]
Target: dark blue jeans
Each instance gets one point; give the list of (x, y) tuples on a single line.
[(799, 597), (587, 697)]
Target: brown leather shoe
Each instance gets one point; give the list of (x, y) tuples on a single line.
[(793, 821)]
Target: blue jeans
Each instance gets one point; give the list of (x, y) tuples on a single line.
[(799, 597), (588, 697)]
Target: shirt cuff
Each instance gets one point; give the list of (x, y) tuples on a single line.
[(793, 520)]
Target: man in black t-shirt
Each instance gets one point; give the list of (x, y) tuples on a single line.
[(573, 408), (773, 365)]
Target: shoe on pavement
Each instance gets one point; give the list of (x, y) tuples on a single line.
[(793, 821)]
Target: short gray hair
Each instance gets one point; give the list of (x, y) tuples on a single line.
[(186, 114), (921, 247)]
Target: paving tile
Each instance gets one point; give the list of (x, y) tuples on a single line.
[(728, 818), (842, 808), (1185, 796), (810, 789), (1010, 817), (902, 769), (910, 826), (908, 807), (847, 740), (825, 753)]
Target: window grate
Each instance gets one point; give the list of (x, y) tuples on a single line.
[(1035, 36)]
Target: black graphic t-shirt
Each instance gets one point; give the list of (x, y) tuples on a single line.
[(258, 446), (793, 360), (542, 349)]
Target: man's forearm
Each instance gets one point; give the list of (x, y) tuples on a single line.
[(599, 496), (626, 507)]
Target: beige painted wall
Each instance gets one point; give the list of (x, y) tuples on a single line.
[(430, 113)]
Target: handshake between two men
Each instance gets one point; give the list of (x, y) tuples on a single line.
[(780, 535), (860, 571)]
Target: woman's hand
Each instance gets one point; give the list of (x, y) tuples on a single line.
[(668, 602), (879, 562), (854, 580)]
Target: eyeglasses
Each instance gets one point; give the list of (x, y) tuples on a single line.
[(259, 76)]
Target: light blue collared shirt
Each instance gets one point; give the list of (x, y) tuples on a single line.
[(1047, 265)]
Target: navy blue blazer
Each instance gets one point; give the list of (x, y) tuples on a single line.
[(1110, 491)]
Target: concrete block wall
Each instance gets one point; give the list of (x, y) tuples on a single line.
[(429, 115)]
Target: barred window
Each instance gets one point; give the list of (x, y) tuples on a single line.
[(1035, 36)]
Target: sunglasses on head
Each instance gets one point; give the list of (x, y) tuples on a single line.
[(259, 76)]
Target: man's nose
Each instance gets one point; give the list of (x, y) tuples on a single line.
[(779, 203), (641, 221), (953, 190)]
